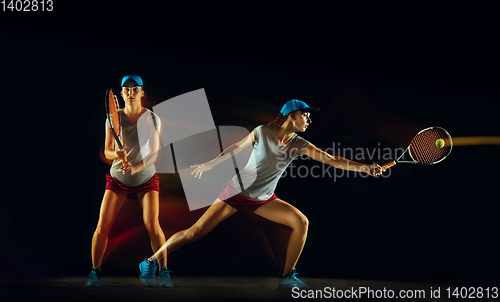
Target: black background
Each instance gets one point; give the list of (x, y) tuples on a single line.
[(432, 65)]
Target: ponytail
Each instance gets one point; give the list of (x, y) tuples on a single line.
[(278, 121)]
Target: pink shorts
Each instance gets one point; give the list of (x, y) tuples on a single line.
[(231, 196), (153, 184)]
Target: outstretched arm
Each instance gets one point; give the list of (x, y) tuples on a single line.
[(340, 162), (226, 154)]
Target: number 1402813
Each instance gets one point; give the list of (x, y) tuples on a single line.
[(28, 5)]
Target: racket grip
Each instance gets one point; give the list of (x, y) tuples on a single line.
[(124, 160), (389, 165)]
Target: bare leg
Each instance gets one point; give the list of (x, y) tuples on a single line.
[(150, 203), (216, 213), (281, 212), (111, 204)]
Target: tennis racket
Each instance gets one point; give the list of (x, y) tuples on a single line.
[(113, 116), (428, 147)]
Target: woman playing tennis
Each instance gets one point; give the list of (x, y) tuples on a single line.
[(274, 147), (137, 176)]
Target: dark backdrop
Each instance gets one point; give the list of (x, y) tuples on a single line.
[(377, 77)]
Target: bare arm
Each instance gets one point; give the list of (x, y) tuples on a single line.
[(226, 154), (340, 162), (109, 147)]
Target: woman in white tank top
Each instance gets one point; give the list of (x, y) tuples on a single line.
[(268, 163)]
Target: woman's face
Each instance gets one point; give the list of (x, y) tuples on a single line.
[(301, 120), (131, 92)]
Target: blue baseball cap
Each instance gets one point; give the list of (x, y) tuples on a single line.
[(294, 104), (137, 79)]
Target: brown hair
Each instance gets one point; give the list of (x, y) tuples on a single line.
[(280, 119)]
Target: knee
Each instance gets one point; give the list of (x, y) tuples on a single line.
[(195, 233), (301, 223), (152, 225), (305, 222)]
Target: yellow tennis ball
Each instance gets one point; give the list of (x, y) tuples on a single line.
[(440, 143)]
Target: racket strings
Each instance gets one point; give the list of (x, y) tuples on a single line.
[(423, 146)]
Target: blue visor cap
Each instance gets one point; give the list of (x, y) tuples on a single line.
[(296, 105), (137, 79)]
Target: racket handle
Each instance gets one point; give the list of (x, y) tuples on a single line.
[(389, 165), (124, 160)]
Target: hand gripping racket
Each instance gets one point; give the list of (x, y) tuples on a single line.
[(113, 116), (428, 147)]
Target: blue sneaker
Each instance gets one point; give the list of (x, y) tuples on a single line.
[(290, 281), (94, 278), (148, 272), (164, 277)]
